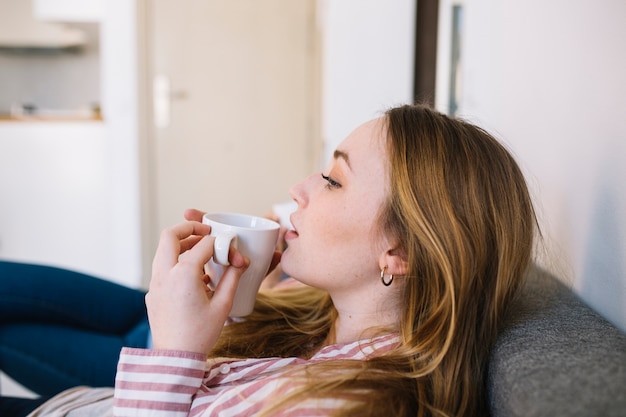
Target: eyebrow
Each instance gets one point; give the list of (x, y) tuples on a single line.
[(341, 154)]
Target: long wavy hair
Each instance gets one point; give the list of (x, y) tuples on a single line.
[(461, 210)]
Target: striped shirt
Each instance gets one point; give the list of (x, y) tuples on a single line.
[(159, 383)]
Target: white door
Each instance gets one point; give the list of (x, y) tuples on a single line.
[(236, 103)]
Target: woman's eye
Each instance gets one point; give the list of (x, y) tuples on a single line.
[(331, 182)]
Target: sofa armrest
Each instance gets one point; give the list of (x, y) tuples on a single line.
[(556, 357)]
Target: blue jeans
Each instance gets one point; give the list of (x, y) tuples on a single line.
[(60, 329)]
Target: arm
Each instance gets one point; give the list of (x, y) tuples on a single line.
[(157, 380), (186, 318)]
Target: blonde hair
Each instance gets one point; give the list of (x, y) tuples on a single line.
[(460, 208)]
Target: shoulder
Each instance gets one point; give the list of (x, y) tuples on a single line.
[(359, 350)]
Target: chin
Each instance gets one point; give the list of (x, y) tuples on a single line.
[(291, 265), (286, 264)]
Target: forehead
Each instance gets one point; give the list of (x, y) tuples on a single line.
[(365, 146)]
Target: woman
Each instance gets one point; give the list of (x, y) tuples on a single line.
[(410, 244)]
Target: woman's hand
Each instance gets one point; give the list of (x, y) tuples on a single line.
[(183, 313), (194, 215)]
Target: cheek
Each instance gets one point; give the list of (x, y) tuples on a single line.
[(335, 224), (345, 234), (335, 238), (320, 251)]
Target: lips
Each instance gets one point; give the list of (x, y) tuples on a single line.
[(292, 233)]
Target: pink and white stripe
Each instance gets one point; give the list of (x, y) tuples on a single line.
[(154, 383)]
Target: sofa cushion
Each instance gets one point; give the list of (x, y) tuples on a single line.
[(557, 357)]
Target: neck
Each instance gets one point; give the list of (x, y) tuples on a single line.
[(363, 322)]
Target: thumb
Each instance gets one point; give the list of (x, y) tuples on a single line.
[(227, 287)]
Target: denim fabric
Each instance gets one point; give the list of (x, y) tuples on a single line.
[(19, 407), (60, 328)]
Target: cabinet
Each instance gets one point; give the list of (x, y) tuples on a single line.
[(69, 10), (55, 195)]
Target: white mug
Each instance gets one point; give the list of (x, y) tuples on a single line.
[(256, 238)]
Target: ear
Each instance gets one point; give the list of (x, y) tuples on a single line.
[(395, 260)]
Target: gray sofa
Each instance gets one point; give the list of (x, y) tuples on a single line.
[(557, 357)]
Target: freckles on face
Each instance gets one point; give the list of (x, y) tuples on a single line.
[(338, 212)]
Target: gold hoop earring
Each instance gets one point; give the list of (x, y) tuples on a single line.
[(382, 277)]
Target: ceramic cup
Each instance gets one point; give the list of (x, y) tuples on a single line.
[(256, 238)]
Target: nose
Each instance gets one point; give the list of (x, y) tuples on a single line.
[(300, 191)]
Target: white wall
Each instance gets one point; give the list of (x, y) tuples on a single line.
[(367, 62), (545, 77), (53, 208), (548, 77), (71, 194)]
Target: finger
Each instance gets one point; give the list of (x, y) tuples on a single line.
[(227, 287), (200, 253), (280, 243), (175, 234), (167, 251), (189, 243), (271, 216), (275, 260), (193, 214), (206, 279), (236, 258), (170, 243), (189, 228)]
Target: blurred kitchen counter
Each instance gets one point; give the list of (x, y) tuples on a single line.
[(29, 118)]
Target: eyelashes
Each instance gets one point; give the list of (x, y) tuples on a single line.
[(331, 182)]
